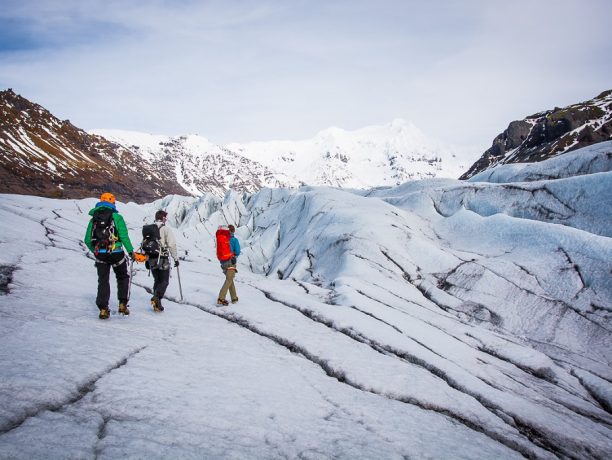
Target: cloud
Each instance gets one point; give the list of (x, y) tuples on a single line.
[(257, 70)]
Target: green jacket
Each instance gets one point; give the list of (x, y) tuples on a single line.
[(122, 231)]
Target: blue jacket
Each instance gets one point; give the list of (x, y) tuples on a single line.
[(234, 245)]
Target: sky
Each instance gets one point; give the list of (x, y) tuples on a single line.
[(259, 70)]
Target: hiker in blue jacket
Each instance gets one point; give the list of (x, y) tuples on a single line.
[(234, 243), (229, 268)]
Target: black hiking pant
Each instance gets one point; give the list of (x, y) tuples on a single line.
[(161, 280), (119, 262)]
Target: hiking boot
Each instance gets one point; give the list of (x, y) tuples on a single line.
[(123, 309), (222, 302), (235, 300), (104, 313), (156, 304)]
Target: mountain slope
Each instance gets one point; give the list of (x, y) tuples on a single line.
[(42, 155), (197, 165), (550, 133), (438, 319)]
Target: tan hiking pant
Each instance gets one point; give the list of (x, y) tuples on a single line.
[(230, 273)]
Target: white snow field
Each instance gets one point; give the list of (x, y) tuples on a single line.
[(438, 319)]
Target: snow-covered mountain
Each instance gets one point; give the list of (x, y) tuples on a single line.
[(43, 155), (438, 319), (198, 165), (550, 133), (373, 156)]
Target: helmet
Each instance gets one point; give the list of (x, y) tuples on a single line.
[(108, 197)]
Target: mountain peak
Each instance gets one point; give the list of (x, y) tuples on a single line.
[(8, 93), (401, 123), (330, 133)]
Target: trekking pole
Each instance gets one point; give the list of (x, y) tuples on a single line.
[(178, 275), (130, 283)]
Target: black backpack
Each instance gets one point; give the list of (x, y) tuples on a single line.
[(103, 231), (150, 240)]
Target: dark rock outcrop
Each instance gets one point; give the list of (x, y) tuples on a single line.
[(550, 133)]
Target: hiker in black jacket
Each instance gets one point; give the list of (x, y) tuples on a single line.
[(160, 266)]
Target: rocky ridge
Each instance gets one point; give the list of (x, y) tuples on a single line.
[(550, 133), (43, 155), (198, 165)]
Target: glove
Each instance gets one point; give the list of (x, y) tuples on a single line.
[(233, 261), (131, 254), (176, 263)]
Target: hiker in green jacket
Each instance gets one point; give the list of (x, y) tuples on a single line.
[(106, 237)]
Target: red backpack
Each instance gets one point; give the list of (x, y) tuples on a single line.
[(224, 251)]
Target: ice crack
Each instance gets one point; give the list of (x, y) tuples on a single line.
[(81, 392)]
